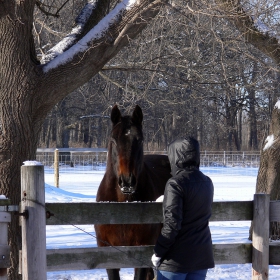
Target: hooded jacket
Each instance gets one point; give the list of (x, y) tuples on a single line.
[(185, 243)]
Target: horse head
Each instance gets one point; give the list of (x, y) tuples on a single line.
[(126, 148)]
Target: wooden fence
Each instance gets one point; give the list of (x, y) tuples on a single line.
[(36, 260)]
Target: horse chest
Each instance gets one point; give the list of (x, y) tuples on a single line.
[(127, 235)]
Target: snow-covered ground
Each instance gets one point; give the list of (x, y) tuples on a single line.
[(230, 184)]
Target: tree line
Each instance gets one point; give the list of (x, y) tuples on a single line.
[(192, 74)]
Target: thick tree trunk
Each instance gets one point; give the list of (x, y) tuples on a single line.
[(19, 128), (268, 180), (14, 151)]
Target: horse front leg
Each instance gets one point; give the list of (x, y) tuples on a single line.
[(143, 274), (113, 274)]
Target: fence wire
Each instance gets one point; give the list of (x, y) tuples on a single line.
[(87, 161)]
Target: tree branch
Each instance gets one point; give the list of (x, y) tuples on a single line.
[(40, 6), (265, 42), (90, 15), (75, 66), (124, 88)]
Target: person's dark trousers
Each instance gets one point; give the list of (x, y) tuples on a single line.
[(195, 275)]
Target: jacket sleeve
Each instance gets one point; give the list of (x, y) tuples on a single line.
[(173, 215)]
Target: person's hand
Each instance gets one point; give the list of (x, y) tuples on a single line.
[(155, 260)]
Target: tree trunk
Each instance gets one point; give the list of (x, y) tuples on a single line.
[(253, 135), (239, 126), (19, 128), (268, 180), (99, 133)]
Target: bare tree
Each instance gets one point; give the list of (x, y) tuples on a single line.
[(268, 179), (192, 68)]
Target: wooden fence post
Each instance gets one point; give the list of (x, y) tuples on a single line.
[(260, 237), (34, 264), (56, 168), (5, 218)]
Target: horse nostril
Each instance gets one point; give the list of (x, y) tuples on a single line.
[(120, 181), (132, 180), (127, 184), (127, 181)]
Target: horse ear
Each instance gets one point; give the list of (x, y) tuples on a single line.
[(137, 115), (115, 115)]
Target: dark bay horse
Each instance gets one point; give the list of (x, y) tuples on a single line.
[(130, 176)]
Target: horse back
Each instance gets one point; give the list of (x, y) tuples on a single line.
[(155, 173)]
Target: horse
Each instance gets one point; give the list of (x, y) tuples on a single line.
[(130, 176)]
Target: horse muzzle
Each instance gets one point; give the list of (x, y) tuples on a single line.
[(127, 190), (127, 186)]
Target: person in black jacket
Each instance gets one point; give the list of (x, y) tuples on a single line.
[(184, 247)]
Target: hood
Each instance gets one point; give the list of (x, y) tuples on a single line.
[(182, 153)]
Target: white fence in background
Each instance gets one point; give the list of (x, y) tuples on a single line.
[(83, 159), (229, 159), (73, 159)]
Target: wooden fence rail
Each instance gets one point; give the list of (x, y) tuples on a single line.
[(137, 212), (144, 212), (260, 252)]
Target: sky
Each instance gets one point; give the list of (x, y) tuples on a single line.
[(230, 184)]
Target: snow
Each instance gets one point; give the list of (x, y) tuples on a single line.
[(60, 56), (264, 29), (32, 162), (231, 184), (160, 199), (277, 105), (268, 142), (70, 38)]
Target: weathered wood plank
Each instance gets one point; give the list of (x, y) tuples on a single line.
[(134, 212), (5, 256), (136, 256), (5, 217), (99, 257), (274, 253), (232, 211), (56, 168), (4, 202), (235, 253), (33, 225), (274, 213), (104, 213), (260, 252)]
